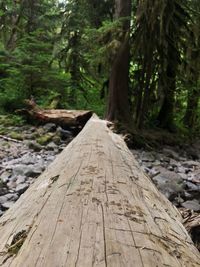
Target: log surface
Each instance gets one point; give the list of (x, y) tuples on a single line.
[(61, 116), (93, 206)]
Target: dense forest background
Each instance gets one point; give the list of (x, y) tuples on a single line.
[(132, 61)]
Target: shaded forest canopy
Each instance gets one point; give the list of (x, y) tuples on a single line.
[(131, 61)]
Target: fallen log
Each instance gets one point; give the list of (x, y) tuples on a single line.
[(61, 117), (10, 139), (93, 206)]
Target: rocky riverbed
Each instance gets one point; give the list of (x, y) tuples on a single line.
[(25, 152), (175, 171)]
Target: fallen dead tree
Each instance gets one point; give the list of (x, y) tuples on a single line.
[(93, 206), (9, 139), (61, 117)]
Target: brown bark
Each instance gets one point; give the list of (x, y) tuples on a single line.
[(74, 69), (193, 54), (61, 117), (192, 108), (166, 114), (16, 18), (118, 96)]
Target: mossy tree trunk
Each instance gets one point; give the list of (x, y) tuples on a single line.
[(190, 117)]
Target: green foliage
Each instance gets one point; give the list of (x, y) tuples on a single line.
[(45, 139), (61, 52), (16, 135), (25, 67), (10, 120), (102, 43)]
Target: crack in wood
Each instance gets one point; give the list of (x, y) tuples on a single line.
[(54, 178), (104, 236), (80, 239)]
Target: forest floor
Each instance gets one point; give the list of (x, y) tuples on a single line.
[(175, 170)]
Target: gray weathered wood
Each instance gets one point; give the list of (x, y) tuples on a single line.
[(93, 206)]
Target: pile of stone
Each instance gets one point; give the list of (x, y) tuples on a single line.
[(175, 173), (21, 162)]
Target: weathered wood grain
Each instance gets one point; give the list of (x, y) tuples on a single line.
[(60, 117), (93, 206)]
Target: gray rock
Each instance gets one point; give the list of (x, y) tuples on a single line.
[(27, 170), (56, 139), (178, 200), (191, 163), (50, 158), (181, 169), (64, 134), (31, 129), (170, 184), (5, 176), (51, 146), (182, 158), (34, 145), (156, 163), (174, 163), (171, 153), (56, 151), (170, 168), (147, 157), (158, 156), (149, 165), (3, 190), (193, 153), (28, 158), (192, 186), (153, 173), (21, 188), (1, 212), (11, 196), (7, 205), (169, 176), (21, 170), (50, 127), (3, 199), (183, 176), (165, 159), (11, 185), (30, 180), (20, 179), (145, 169), (192, 205), (13, 178), (197, 173), (188, 196)]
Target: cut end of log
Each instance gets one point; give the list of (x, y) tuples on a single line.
[(61, 117)]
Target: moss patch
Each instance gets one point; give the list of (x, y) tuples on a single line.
[(15, 135), (45, 139), (11, 120)]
